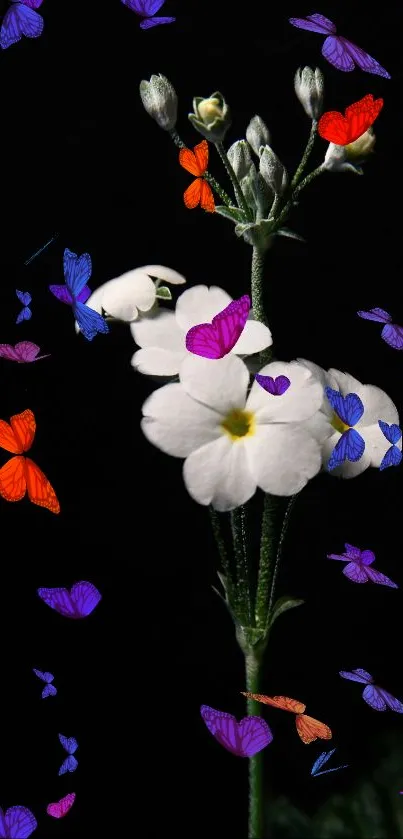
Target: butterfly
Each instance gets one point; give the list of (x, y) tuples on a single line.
[(24, 298), (17, 823), (199, 191), (391, 333), (308, 728), (147, 9), (378, 698), (321, 760), (275, 386), (358, 570), (77, 603), (21, 19), (358, 117), (70, 745), (77, 270), (218, 338), (21, 474), (23, 352), (393, 434), (244, 739), (62, 807), (49, 689), (338, 50), (351, 445)]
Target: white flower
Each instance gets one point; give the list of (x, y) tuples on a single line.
[(377, 406), (123, 297), (336, 160), (234, 443), (162, 337)]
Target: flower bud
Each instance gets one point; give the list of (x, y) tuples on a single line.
[(240, 158), (211, 117), (309, 87), (160, 101), (272, 170), (336, 160), (257, 134)]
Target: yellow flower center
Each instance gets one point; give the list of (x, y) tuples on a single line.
[(238, 424), (339, 425), (209, 109)]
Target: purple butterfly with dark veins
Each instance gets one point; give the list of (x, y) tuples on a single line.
[(147, 9), (49, 689), (378, 698), (17, 823), (77, 603), (244, 739), (358, 569), (23, 352), (21, 19), (70, 745), (276, 386), (391, 333)]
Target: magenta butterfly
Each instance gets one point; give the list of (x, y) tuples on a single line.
[(391, 333), (49, 689), (147, 9), (21, 19), (62, 807), (275, 386), (23, 352), (338, 50), (244, 738), (378, 698), (358, 569), (17, 823), (77, 603), (216, 339)]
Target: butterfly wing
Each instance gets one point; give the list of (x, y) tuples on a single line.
[(355, 573), (85, 597), (363, 60), (12, 479), (392, 457), (62, 807), (19, 20), (361, 115), (192, 195), (321, 760), (69, 744), (335, 53), (378, 315), (20, 823), (333, 127), (26, 351), (145, 8), (77, 271), (254, 734), (284, 703), (201, 155), (203, 340), (373, 697), (314, 23), (310, 729), (33, 4), (24, 297), (392, 432), (45, 677), (243, 739), (60, 600), (230, 323), (9, 352), (25, 314), (90, 322), (274, 386), (381, 579), (357, 675), (24, 426), (206, 197), (393, 335), (40, 490), (391, 701), (155, 21), (62, 293), (349, 408), (49, 690), (350, 447), (68, 765)]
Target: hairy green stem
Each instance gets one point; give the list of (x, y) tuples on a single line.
[(267, 543), (309, 178), (241, 200), (306, 154), (209, 178), (241, 561), (258, 257), (284, 528), (253, 665)]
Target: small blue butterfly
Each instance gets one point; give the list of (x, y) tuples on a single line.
[(70, 745), (321, 760), (393, 434), (24, 298), (351, 445)]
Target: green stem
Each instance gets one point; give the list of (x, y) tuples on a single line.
[(306, 154), (241, 200), (209, 178), (253, 664), (267, 542), (309, 178), (284, 528), (241, 561), (258, 257)]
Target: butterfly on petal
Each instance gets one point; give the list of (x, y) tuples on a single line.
[(308, 728), (62, 807), (391, 333), (24, 298), (17, 823), (75, 292), (21, 19), (77, 603), (49, 689), (343, 54), (359, 568), (342, 130), (321, 761), (23, 352), (147, 9), (199, 191), (218, 338), (378, 698), (244, 739), (349, 409), (276, 386), (70, 745), (393, 434), (20, 474)]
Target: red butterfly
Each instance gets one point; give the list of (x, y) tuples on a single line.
[(20, 474), (342, 130), (199, 191)]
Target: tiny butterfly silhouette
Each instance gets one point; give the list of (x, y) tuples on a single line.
[(218, 338), (244, 739), (147, 9), (62, 807), (24, 298), (391, 333), (276, 386), (358, 117), (23, 352), (49, 689), (77, 603), (70, 745), (358, 569), (393, 434), (378, 698), (321, 760), (21, 19), (343, 54), (308, 728), (199, 191), (17, 823)]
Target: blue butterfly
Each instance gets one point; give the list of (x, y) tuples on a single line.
[(349, 410), (393, 434), (70, 745), (321, 760), (24, 298), (77, 270)]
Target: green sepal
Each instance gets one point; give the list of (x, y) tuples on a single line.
[(232, 213), (283, 604), (163, 293), (284, 231)]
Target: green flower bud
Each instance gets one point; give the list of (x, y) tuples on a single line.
[(211, 117), (160, 101)]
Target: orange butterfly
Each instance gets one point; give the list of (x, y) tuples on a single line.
[(199, 191), (20, 473), (308, 728), (342, 130)]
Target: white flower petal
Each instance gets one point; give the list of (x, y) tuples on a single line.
[(376, 444), (326, 380), (254, 338), (283, 458), (95, 301), (154, 361), (199, 305), (161, 272), (160, 331), (219, 474), (377, 406), (346, 383), (302, 399), (173, 422), (123, 296), (220, 383), (318, 426)]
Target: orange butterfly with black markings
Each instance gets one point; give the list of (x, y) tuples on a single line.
[(308, 728), (20, 474), (199, 191)]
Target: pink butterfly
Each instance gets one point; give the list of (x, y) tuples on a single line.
[(23, 352), (62, 807), (216, 339), (358, 569), (343, 54)]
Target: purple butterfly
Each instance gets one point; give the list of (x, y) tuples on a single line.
[(77, 603), (338, 50), (391, 333), (70, 745), (75, 292), (21, 19), (17, 823), (218, 338), (351, 445), (49, 689), (393, 434), (147, 9), (24, 298), (244, 738), (23, 352), (378, 698), (358, 570), (321, 760), (275, 386)]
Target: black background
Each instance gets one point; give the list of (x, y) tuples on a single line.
[(81, 157)]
